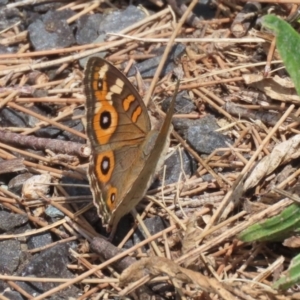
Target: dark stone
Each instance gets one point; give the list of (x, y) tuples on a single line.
[(74, 190), (3, 286), (12, 118), (201, 134), (107, 251), (5, 49), (48, 132), (174, 166), (9, 221), (76, 125), (10, 252), (88, 28), (83, 61), (12, 295), (3, 2), (183, 103), (52, 32), (9, 17), (39, 240), (49, 263), (154, 225), (204, 10), (44, 7), (15, 185), (32, 121), (53, 212), (118, 20), (147, 68), (30, 16), (40, 93), (35, 152)]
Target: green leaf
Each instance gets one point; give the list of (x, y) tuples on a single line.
[(288, 46), (292, 276), (276, 228)]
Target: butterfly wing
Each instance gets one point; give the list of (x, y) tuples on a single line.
[(117, 126)]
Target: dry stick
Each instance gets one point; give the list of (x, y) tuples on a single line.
[(2, 297), (59, 280), (217, 108), (198, 158), (205, 247), (99, 267), (54, 172), (201, 83), (36, 220), (230, 193), (57, 146), (147, 234), (40, 117), (191, 40), (51, 100), (83, 47), (39, 249), (108, 262), (102, 47), (39, 125), (8, 98), (276, 1), (19, 289), (26, 2), (51, 52), (142, 22), (83, 12), (167, 50)]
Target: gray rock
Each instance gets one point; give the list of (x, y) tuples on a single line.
[(44, 7), (12, 295), (52, 32), (183, 103), (3, 2), (9, 17), (10, 252), (53, 212), (118, 20), (39, 240), (15, 185), (10, 117), (201, 134), (9, 221), (148, 67), (83, 61), (49, 263), (88, 28), (5, 49), (154, 225), (174, 166)]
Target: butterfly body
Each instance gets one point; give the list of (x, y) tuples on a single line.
[(125, 151)]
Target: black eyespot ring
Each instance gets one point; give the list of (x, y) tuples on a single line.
[(105, 120)]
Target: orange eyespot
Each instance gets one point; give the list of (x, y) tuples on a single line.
[(104, 166), (105, 123), (111, 198)]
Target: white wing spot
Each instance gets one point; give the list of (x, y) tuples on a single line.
[(105, 120), (104, 164), (117, 87), (98, 106), (103, 71)]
